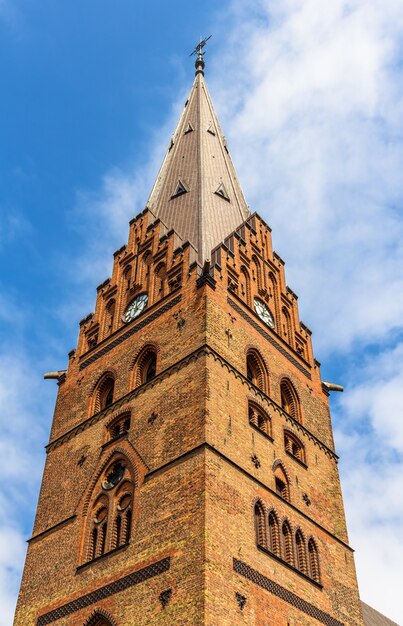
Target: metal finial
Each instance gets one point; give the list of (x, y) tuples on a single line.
[(199, 63)]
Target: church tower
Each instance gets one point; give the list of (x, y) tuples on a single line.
[(191, 476)]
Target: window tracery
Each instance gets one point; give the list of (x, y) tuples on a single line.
[(111, 514)]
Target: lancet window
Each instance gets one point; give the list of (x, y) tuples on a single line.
[(145, 366), (274, 534), (282, 483), (111, 512), (260, 526), (160, 279), (289, 399), (259, 418), (109, 317), (314, 571), (288, 548), (279, 540), (255, 370), (301, 552), (119, 427), (294, 447), (104, 393)]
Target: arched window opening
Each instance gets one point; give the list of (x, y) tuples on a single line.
[(146, 270), (255, 370), (294, 447), (256, 272), (273, 292), (287, 328), (301, 552), (98, 619), (104, 394), (288, 550), (160, 281), (127, 277), (260, 419), (313, 561), (260, 528), (274, 534), (244, 284), (110, 517), (146, 366), (119, 427), (123, 519), (282, 483), (99, 530), (109, 316), (289, 400)]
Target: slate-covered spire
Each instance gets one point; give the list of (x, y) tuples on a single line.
[(197, 192)]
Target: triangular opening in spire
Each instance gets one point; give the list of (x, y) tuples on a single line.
[(222, 192), (180, 190), (188, 129), (211, 129)]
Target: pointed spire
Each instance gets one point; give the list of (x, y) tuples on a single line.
[(197, 192)]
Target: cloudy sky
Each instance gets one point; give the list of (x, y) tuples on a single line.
[(310, 97)]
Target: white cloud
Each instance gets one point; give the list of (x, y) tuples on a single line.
[(313, 112), (27, 405), (12, 553)]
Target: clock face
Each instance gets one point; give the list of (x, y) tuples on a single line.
[(264, 313), (135, 307)]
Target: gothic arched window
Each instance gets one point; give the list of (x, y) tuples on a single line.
[(109, 317), (260, 526), (127, 277), (256, 272), (255, 370), (281, 482), (244, 283), (288, 548), (259, 418), (110, 516), (104, 393), (294, 447), (287, 328), (274, 534), (313, 560), (301, 552), (119, 427), (146, 366), (160, 281), (289, 400)]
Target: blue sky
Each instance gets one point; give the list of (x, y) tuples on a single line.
[(310, 97)]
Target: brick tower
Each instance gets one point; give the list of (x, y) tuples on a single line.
[(191, 476)]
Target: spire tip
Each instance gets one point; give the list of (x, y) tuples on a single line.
[(199, 63)]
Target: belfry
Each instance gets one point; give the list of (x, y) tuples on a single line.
[(191, 476)]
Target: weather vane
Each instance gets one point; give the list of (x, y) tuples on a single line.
[(200, 46), (199, 64)]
